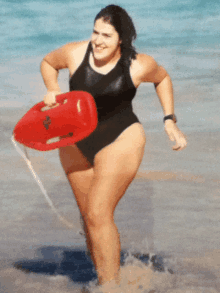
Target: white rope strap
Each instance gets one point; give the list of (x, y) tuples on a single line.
[(24, 155)]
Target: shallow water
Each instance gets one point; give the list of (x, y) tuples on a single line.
[(172, 214), (56, 273)]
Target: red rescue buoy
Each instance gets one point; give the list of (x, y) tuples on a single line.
[(73, 118)]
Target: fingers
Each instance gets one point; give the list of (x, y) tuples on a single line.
[(180, 144), (176, 135), (50, 98), (181, 141)]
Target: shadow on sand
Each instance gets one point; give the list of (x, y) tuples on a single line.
[(74, 263)]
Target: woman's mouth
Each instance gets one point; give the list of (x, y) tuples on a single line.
[(98, 49)]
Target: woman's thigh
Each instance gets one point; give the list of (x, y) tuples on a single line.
[(124, 155), (73, 160), (115, 166), (79, 173)]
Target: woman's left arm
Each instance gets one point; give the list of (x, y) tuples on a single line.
[(152, 72)]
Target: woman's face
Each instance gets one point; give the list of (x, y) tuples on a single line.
[(105, 41)]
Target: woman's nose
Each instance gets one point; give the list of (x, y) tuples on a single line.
[(98, 40)]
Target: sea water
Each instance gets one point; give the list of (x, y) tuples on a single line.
[(181, 35), (172, 208)]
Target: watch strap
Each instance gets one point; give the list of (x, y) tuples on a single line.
[(170, 117)]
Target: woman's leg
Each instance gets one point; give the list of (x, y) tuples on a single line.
[(98, 190), (114, 169), (80, 173)]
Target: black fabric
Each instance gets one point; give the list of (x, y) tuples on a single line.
[(113, 94), (106, 132)]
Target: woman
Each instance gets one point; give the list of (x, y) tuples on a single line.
[(101, 167)]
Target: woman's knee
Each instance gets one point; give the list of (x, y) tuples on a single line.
[(95, 218)]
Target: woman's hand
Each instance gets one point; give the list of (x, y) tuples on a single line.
[(50, 98), (175, 134)]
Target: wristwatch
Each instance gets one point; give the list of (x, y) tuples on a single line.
[(170, 117)]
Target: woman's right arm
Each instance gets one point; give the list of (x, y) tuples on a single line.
[(50, 66)]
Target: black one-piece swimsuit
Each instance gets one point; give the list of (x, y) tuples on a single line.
[(113, 94)]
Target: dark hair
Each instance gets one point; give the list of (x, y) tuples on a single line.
[(123, 24)]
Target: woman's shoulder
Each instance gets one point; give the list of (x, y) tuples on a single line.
[(76, 52), (75, 46), (144, 62), (68, 55), (75, 49), (143, 66)]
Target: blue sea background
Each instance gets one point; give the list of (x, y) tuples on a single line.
[(183, 201), (181, 35)]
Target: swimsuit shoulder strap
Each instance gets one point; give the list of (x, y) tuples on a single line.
[(86, 57)]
